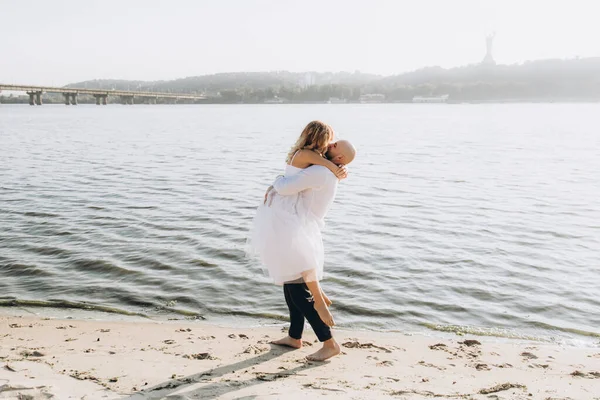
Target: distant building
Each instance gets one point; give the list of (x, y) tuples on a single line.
[(372, 98), (276, 100), (336, 100), (431, 99)]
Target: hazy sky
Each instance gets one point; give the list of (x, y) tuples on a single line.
[(61, 41)]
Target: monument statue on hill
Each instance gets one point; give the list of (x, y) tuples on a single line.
[(489, 42)]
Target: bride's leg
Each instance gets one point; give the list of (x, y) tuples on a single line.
[(307, 303), (319, 301), (327, 301)]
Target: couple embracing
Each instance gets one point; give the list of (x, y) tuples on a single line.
[(286, 232)]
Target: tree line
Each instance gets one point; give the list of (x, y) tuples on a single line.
[(544, 80)]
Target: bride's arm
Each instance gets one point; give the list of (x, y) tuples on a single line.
[(306, 158)]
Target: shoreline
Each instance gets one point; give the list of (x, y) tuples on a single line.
[(579, 339), (139, 359)]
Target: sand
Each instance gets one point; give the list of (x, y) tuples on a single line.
[(86, 359)]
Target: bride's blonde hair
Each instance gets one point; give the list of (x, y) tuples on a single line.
[(316, 136)]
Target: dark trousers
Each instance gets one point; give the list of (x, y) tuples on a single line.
[(300, 301)]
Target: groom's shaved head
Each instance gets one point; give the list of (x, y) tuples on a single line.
[(341, 152), (348, 150)]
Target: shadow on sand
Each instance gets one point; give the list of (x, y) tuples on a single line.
[(214, 389)]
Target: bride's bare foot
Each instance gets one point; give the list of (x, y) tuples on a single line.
[(324, 314), (289, 342), (330, 348)]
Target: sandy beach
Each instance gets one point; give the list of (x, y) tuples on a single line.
[(87, 359)]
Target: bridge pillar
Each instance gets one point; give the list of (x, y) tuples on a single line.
[(100, 98), (35, 98), (104, 99), (70, 98), (127, 99), (31, 98)]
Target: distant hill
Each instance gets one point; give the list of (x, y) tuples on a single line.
[(237, 81), (552, 80), (543, 80)]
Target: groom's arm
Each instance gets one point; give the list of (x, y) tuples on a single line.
[(312, 177)]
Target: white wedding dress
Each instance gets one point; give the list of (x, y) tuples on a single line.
[(286, 237)]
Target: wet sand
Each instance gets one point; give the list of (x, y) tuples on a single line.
[(75, 359)]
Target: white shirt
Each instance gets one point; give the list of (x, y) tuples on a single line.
[(316, 186)]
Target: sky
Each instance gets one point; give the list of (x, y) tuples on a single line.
[(63, 41)]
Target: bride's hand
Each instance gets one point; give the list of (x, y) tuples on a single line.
[(341, 172), (267, 194)]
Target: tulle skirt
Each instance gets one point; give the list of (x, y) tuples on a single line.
[(287, 241)]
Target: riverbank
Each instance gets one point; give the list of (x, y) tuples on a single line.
[(70, 358)]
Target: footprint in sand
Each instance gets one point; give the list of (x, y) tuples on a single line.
[(528, 356), (543, 366), (424, 364), (234, 336), (200, 356), (35, 353), (590, 375), (502, 387), (482, 367), (252, 349), (271, 376), (470, 343), (438, 346), (358, 345)]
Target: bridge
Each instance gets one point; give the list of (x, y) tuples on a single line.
[(101, 95)]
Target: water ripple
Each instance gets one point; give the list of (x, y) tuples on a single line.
[(487, 228)]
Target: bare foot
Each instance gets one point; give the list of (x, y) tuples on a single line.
[(289, 342), (330, 348), (324, 314)]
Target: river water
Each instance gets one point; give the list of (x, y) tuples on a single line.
[(481, 219)]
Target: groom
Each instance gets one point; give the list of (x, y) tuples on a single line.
[(305, 299)]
